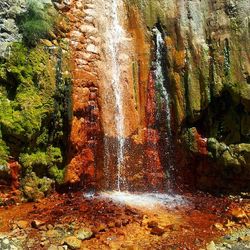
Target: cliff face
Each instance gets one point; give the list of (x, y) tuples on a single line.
[(96, 115), (172, 98), (207, 64)]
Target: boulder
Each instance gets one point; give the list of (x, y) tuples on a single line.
[(84, 234), (72, 242), (35, 188)]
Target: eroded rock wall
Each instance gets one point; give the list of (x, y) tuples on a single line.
[(208, 68), (207, 74), (93, 139)]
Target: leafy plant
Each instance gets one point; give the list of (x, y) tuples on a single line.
[(4, 152), (36, 23)]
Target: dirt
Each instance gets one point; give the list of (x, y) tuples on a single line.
[(194, 225)]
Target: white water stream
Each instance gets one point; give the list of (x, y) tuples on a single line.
[(115, 38), (163, 100), (160, 79)]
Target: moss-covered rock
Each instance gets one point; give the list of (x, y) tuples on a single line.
[(231, 160), (35, 188), (34, 110), (190, 143)]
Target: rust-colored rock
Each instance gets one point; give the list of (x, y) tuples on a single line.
[(85, 124), (14, 167)]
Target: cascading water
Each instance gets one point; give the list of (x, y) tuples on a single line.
[(115, 36), (163, 101), (119, 191), (162, 92)]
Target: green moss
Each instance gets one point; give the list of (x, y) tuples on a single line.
[(56, 174), (34, 159), (54, 155), (25, 106), (41, 162), (188, 137), (33, 110), (4, 153)]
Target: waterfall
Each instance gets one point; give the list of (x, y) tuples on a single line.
[(115, 37), (162, 91), (163, 100)]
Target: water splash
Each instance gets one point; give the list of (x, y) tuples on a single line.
[(115, 37), (145, 200)]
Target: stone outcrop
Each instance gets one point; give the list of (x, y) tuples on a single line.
[(207, 64), (207, 71), (9, 32)]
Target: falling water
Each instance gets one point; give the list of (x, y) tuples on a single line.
[(163, 100), (160, 79), (115, 37)]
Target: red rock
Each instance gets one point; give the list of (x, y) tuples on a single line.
[(92, 96), (201, 144), (157, 231), (14, 172), (238, 213), (37, 223), (152, 224)]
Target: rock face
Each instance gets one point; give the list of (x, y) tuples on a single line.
[(207, 65), (206, 71), (9, 32), (85, 124), (94, 144)]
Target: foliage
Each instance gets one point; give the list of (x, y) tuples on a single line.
[(50, 157), (57, 174), (32, 117), (23, 109), (36, 23), (4, 152)]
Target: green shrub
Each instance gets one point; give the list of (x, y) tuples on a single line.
[(56, 174), (4, 153), (43, 163), (48, 158), (37, 22), (34, 159)]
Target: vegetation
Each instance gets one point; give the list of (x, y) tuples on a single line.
[(35, 188), (4, 152), (37, 22), (33, 116)]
